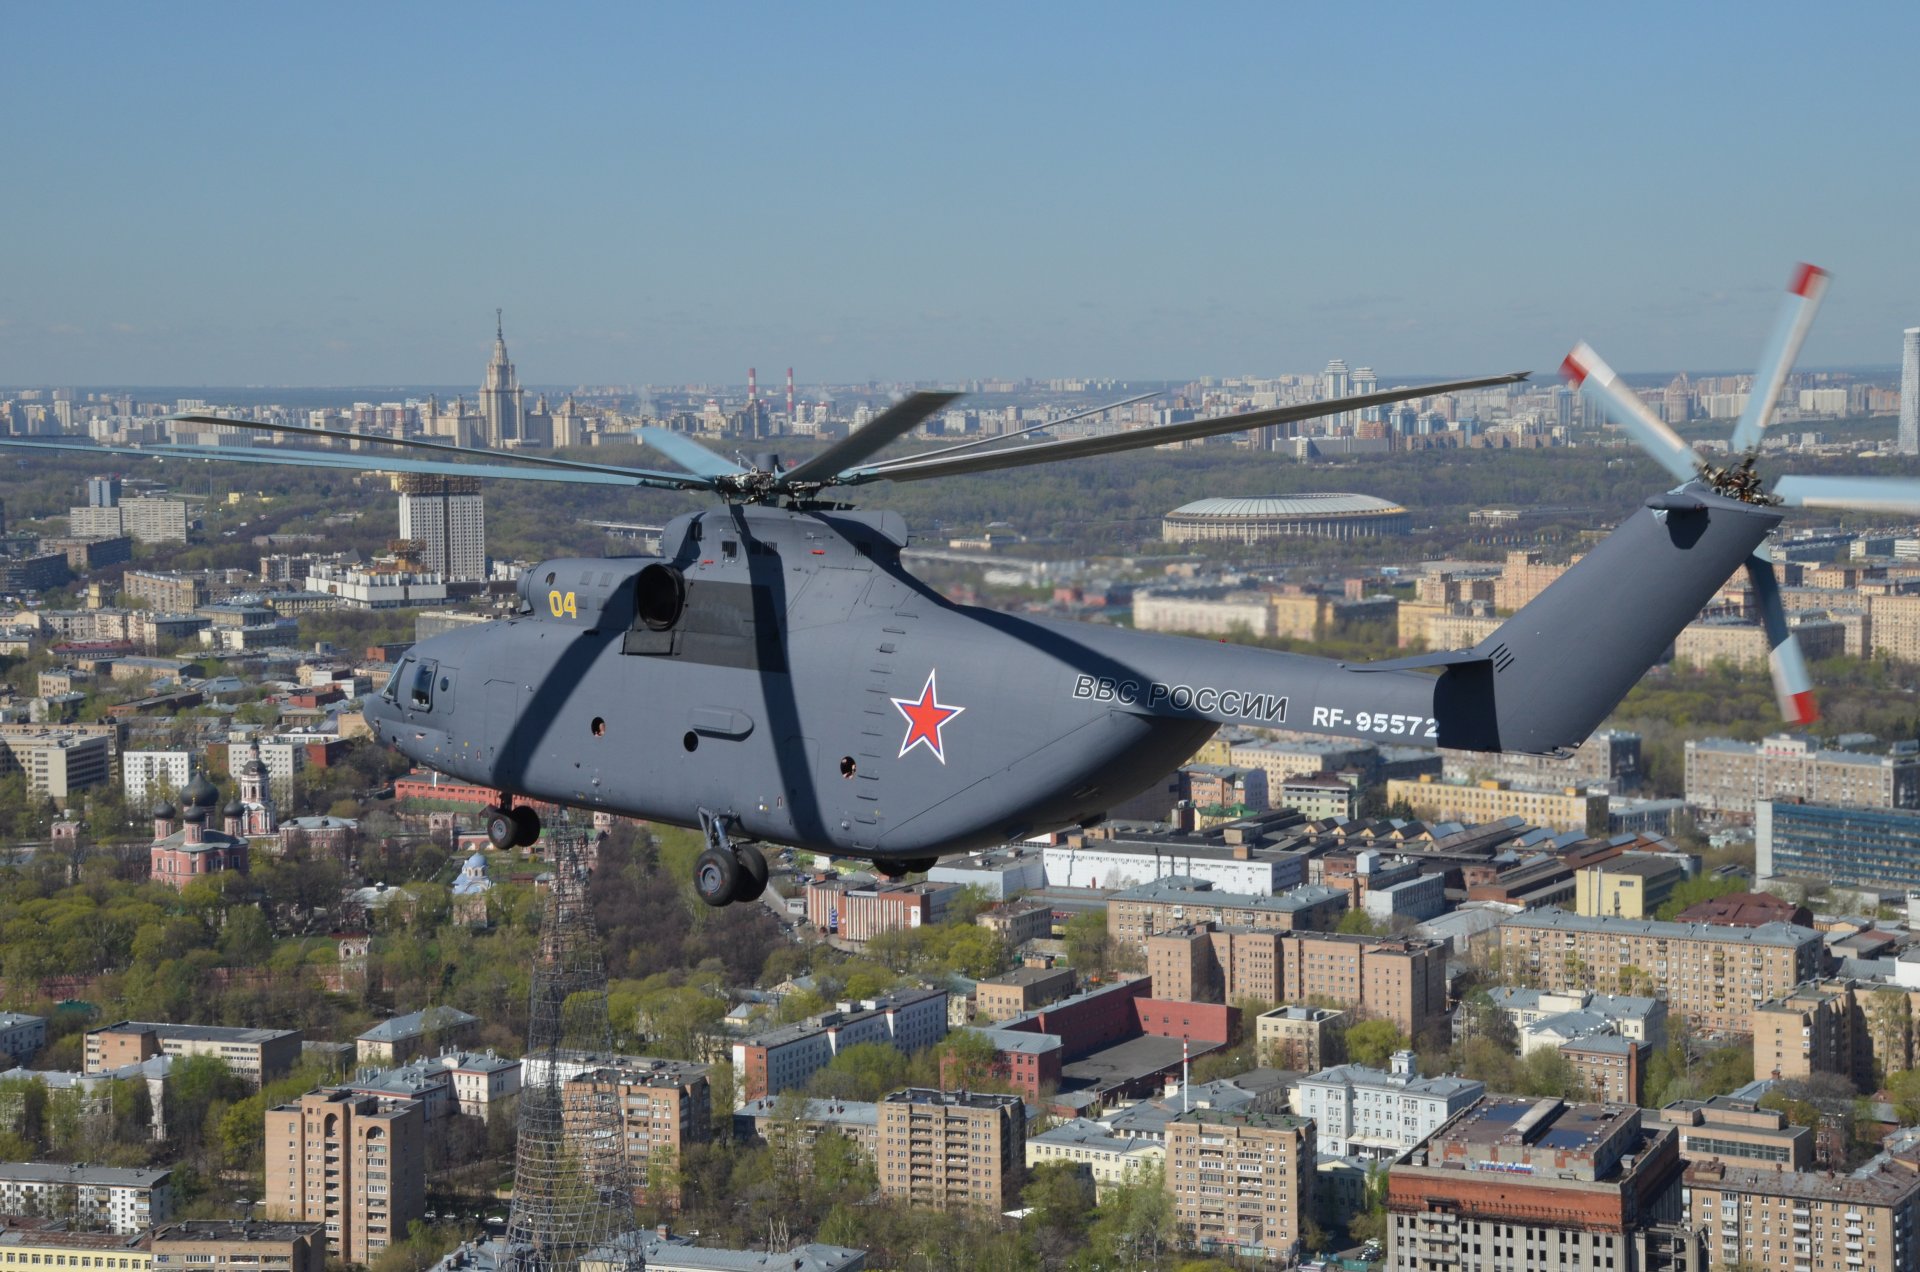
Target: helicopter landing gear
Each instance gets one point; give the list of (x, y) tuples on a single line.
[(727, 871), (514, 827), (901, 867)]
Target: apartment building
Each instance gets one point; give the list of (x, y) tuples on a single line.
[(952, 1150), (339, 1159), (769, 1063), (1629, 1015), (1203, 963), (1241, 1182), (1712, 975), (252, 1054), (1009, 994), (663, 1105), (143, 774), (1522, 1183), (1363, 1112), (1304, 1038), (1852, 1028), (166, 592), (1725, 778), (226, 1245), (117, 1198), (1180, 901), (1394, 978), (1758, 1217)]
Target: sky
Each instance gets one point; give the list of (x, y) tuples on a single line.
[(664, 193)]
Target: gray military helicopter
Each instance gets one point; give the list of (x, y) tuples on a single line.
[(777, 675)]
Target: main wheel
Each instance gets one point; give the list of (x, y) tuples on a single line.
[(526, 826), (716, 876), (753, 872), (920, 865), (892, 869), (501, 829)]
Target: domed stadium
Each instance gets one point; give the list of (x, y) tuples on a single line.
[(1315, 515)]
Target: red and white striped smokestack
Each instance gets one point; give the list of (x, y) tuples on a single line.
[(753, 385), (790, 414)]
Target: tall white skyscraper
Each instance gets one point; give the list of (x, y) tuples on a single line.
[(1910, 393), (447, 516), (1335, 383)]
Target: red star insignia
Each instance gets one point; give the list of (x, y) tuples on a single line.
[(926, 715)]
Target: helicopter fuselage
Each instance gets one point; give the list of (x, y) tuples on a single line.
[(782, 670)]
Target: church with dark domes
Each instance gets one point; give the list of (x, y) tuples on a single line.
[(186, 845)]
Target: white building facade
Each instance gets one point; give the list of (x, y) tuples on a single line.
[(1362, 1112)]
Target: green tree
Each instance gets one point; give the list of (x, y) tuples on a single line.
[(1360, 923), (1373, 1042)]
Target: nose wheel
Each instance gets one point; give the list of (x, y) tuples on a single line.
[(726, 871)]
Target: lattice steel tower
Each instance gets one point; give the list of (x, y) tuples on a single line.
[(571, 1193)]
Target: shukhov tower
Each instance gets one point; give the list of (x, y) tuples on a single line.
[(570, 1188)]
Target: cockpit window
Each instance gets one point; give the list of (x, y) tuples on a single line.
[(420, 696), (391, 691)]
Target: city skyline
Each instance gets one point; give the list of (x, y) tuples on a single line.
[(890, 195)]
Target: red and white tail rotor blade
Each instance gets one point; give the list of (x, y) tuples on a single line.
[(1792, 683), (1804, 293), (1588, 372)]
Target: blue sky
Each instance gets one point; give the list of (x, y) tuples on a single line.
[(341, 194)]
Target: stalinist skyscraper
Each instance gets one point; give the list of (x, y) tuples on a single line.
[(500, 403)]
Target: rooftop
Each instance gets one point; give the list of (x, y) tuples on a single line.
[(234, 1230), (198, 1033), (415, 1023), (104, 1176), (1359, 1075), (951, 1099), (1242, 1117), (1770, 934), (1882, 1181), (1186, 890)]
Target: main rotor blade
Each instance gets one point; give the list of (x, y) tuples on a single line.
[(896, 421), (1160, 435), (1003, 437), (1792, 683), (1590, 374), (348, 463), (689, 454), (1789, 333), (1851, 494), (411, 443)]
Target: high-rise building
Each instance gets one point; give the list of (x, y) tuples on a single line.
[(339, 1159), (1910, 392), (664, 1106), (1518, 1183), (1241, 1181), (1335, 382), (1758, 1217), (952, 1150), (500, 399), (447, 516), (103, 492)]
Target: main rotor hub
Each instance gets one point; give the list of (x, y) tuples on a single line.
[(1739, 481)]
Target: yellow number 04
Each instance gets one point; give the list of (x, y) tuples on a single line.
[(562, 603)]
